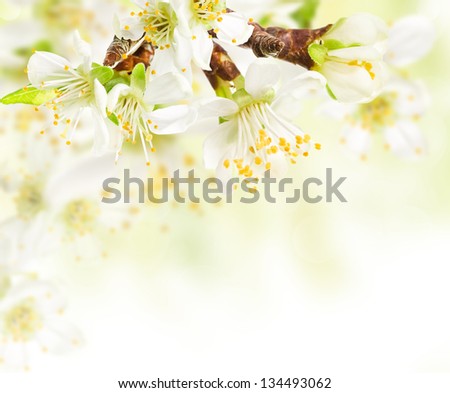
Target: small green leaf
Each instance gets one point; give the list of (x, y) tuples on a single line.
[(102, 74), (138, 78), (114, 119), (29, 96), (306, 13), (318, 53), (115, 81), (334, 44)]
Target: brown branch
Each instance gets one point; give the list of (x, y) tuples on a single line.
[(264, 44), (290, 45), (222, 67), (118, 56)]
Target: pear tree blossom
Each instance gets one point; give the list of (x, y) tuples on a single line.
[(395, 113), (134, 107), (350, 56), (182, 29), (253, 137), (32, 322), (77, 88)]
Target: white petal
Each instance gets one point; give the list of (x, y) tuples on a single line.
[(173, 120), (163, 62), (82, 48), (304, 85), (101, 134), (353, 84), (167, 89), (130, 28), (185, 16), (58, 336), (101, 97), (290, 100), (234, 29), (45, 67), (242, 57), (115, 94), (405, 139), (336, 110), (217, 107), (183, 50), (410, 39), (202, 47), (367, 53), (362, 29), (279, 165), (141, 3), (218, 144), (262, 76), (356, 138), (411, 97)]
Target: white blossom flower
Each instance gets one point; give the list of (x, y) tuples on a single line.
[(32, 321), (135, 107), (350, 56), (253, 137), (58, 207), (181, 29), (393, 115), (198, 17), (410, 39), (77, 89)]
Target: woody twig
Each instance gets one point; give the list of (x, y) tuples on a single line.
[(119, 57), (290, 45), (222, 68)]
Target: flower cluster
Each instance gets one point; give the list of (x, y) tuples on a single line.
[(183, 29), (142, 89)]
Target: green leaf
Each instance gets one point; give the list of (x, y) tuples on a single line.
[(115, 81), (114, 119), (318, 53), (103, 74), (334, 44), (29, 96), (138, 78), (306, 13)]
